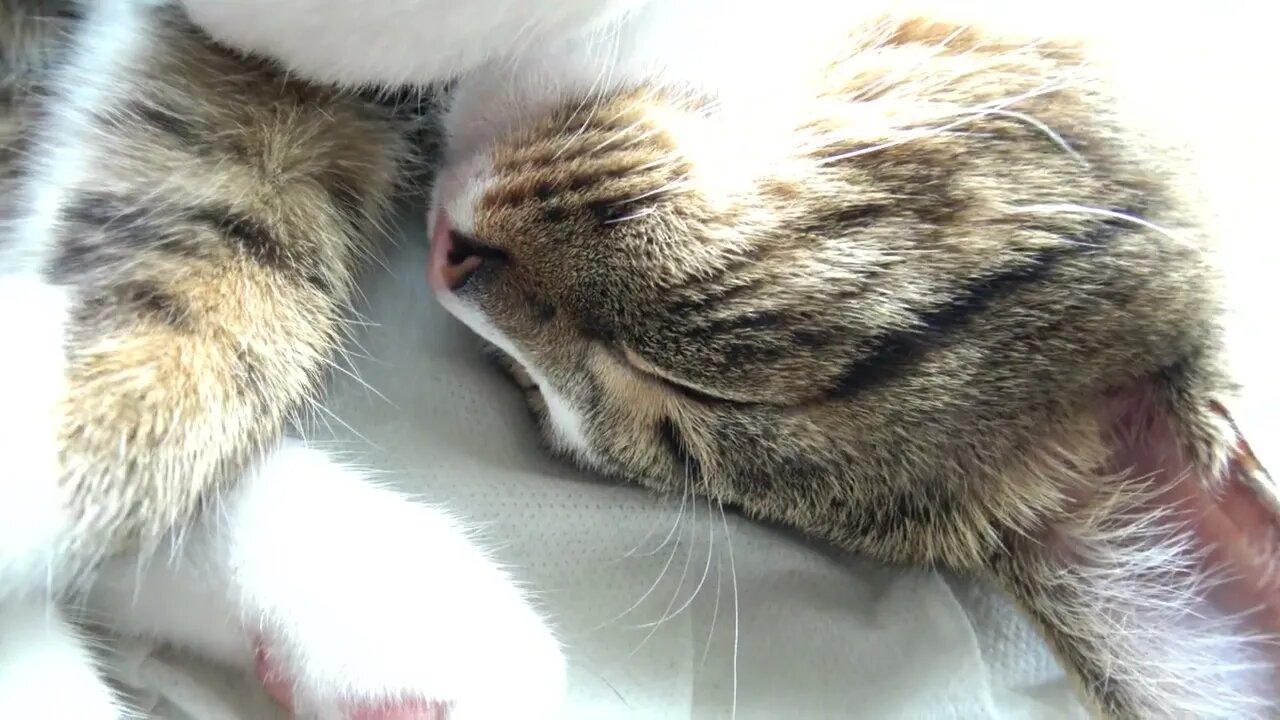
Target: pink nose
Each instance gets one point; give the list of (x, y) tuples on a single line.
[(454, 256)]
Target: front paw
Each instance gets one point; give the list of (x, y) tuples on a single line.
[(509, 666), (370, 605), (520, 681)]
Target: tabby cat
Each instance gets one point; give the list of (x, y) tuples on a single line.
[(917, 287), (912, 285)]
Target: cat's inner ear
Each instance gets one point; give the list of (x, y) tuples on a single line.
[(1169, 561), (1218, 503)]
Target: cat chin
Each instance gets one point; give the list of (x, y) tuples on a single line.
[(395, 43)]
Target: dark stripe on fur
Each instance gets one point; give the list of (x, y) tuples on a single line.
[(838, 222), (898, 350), (164, 121), (246, 233), (155, 302), (104, 230)]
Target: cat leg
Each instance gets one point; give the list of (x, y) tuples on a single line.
[(188, 231), (46, 669), (351, 600)]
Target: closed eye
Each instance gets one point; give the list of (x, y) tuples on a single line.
[(645, 368)]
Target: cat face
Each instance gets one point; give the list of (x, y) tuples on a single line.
[(939, 305), (836, 329)]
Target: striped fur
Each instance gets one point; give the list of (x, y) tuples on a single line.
[(913, 309), (210, 247), (902, 312)]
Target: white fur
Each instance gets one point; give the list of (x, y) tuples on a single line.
[(46, 671), (362, 594), (396, 41), (566, 420), (34, 522), (359, 593), (89, 83), (744, 55), (35, 526), (463, 183)]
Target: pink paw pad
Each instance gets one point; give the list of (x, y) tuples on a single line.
[(280, 689)]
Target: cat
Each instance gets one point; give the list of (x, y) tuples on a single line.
[(1002, 210), (163, 196), (912, 284)]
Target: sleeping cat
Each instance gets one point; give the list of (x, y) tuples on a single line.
[(910, 286), (915, 287)]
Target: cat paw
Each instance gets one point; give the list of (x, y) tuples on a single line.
[(531, 687), (280, 687), (370, 605)]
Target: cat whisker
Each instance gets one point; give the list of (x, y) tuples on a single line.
[(733, 575), (329, 413), (592, 97), (633, 216), (671, 187), (684, 499), (1071, 208), (354, 375), (706, 570), (1042, 127), (668, 613), (675, 595), (715, 606), (967, 115), (635, 549), (675, 547), (688, 492)]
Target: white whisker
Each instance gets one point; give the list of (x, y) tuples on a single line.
[(733, 575), (1042, 127), (636, 548), (688, 492), (661, 575), (715, 607), (706, 569), (633, 216), (1071, 208), (967, 115)]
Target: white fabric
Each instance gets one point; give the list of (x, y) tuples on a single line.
[(818, 634)]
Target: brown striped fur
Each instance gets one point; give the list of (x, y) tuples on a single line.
[(900, 316), (894, 320), (211, 252)]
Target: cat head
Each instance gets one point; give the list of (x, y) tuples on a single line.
[(919, 270), (931, 299)]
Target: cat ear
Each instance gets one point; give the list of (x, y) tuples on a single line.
[(1160, 587)]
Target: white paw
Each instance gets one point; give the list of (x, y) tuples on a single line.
[(369, 605)]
